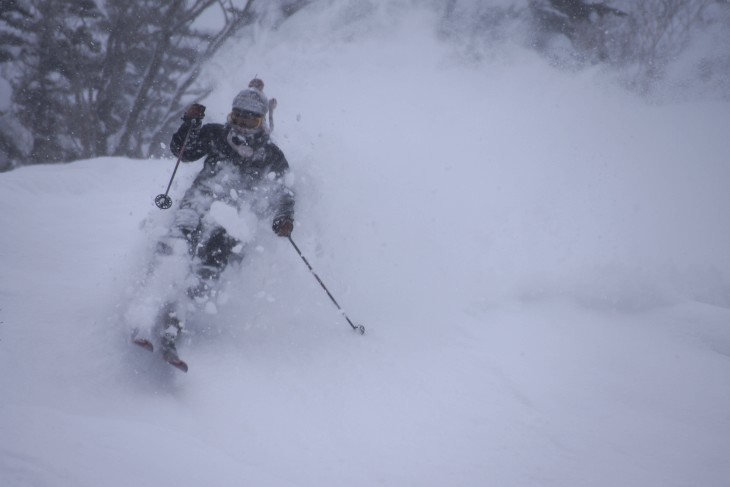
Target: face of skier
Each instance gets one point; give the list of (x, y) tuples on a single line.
[(245, 119)]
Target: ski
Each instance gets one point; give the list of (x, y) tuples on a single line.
[(169, 355), (144, 343), (171, 358)]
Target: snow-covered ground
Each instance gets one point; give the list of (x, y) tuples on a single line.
[(540, 259)]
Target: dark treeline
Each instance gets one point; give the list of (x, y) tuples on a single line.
[(107, 77), (639, 38), (90, 78)]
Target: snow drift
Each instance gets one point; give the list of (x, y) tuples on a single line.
[(540, 260)]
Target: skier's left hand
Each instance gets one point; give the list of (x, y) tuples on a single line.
[(196, 111), (283, 226)]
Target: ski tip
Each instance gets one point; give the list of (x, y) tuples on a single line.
[(172, 359), (144, 343), (179, 364)]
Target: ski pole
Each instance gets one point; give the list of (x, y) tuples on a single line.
[(358, 328), (163, 201)]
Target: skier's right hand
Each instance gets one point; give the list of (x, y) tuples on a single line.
[(195, 111), (283, 226)]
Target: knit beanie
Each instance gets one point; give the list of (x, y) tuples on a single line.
[(251, 100)]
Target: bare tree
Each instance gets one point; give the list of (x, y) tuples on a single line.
[(640, 38), (654, 34), (110, 77)]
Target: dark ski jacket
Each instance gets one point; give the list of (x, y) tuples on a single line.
[(267, 166)]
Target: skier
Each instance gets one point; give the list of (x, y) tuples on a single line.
[(243, 168)]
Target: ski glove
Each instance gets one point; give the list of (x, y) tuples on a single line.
[(283, 226), (195, 111)]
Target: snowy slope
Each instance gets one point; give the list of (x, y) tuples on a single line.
[(540, 261)]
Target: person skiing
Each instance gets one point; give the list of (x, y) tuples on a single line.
[(243, 169)]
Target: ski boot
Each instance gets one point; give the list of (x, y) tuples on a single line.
[(169, 336)]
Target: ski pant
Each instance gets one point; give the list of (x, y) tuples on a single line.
[(209, 246)]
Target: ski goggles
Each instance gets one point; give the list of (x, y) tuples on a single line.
[(245, 119)]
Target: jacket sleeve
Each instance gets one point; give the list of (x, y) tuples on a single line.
[(198, 143), (283, 198)]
